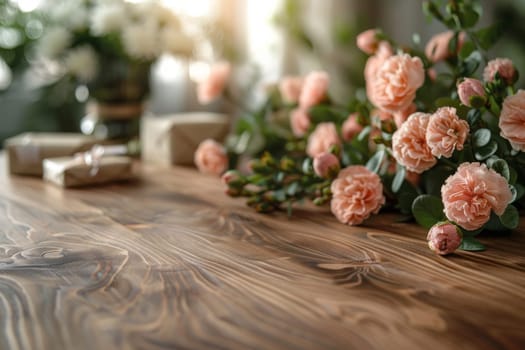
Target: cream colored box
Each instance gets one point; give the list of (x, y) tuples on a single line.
[(26, 152), (74, 172), (172, 139)]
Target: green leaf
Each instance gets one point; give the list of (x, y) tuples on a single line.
[(293, 188), (513, 176), (434, 178), (473, 116), (398, 179), (488, 36), (406, 197), (471, 244), (364, 133), (494, 224), (428, 210), (431, 10), (481, 137), (471, 63), (279, 195), (494, 106), (374, 163), (501, 167), (469, 17), (446, 102), (467, 233), (520, 191), (477, 101), (467, 49), (486, 151), (453, 44), (307, 166), (322, 113), (405, 201), (511, 217)]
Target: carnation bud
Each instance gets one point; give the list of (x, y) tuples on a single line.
[(326, 165), (263, 207), (233, 192), (319, 201), (444, 237), (267, 159), (232, 178), (502, 67), (472, 93), (287, 164), (368, 41)]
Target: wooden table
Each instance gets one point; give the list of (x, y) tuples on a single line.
[(168, 261)]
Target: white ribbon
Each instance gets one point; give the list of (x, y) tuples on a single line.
[(93, 157)]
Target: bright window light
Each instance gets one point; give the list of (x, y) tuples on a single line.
[(27, 5)]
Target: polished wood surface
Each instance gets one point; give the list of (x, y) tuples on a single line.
[(169, 262)]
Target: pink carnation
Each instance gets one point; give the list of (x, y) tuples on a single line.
[(367, 41), (357, 193), (326, 165), (472, 192), (299, 122), (503, 66), (324, 136), (437, 48), (512, 120), (314, 90), (374, 63), (446, 132), (211, 87), (351, 127), (290, 88), (210, 157), (444, 238), (470, 88), (409, 144), (395, 84)]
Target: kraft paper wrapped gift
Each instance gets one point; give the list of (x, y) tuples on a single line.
[(172, 139), (75, 172), (26, 152)]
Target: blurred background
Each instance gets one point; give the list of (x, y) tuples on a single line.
[(264, 39)]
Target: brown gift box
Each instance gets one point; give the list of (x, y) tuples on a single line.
[(173, 139), (25, 152), (74, 172)]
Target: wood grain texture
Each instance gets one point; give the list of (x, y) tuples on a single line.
[(168, 261)]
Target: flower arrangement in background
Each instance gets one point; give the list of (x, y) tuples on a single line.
[(438, 135), (111, 45)]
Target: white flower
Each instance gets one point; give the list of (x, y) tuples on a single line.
[(54, 42), (141, 40), (72, 14), (153, 10), (175, 41), (108, 17), (82, 63)]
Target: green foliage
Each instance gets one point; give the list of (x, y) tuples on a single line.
[(471, 244), (510, 218), (371, 143), (428, 210)]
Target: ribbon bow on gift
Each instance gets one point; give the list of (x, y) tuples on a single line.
[(94, 156)]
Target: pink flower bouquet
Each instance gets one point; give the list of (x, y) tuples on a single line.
[(440, 137)]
